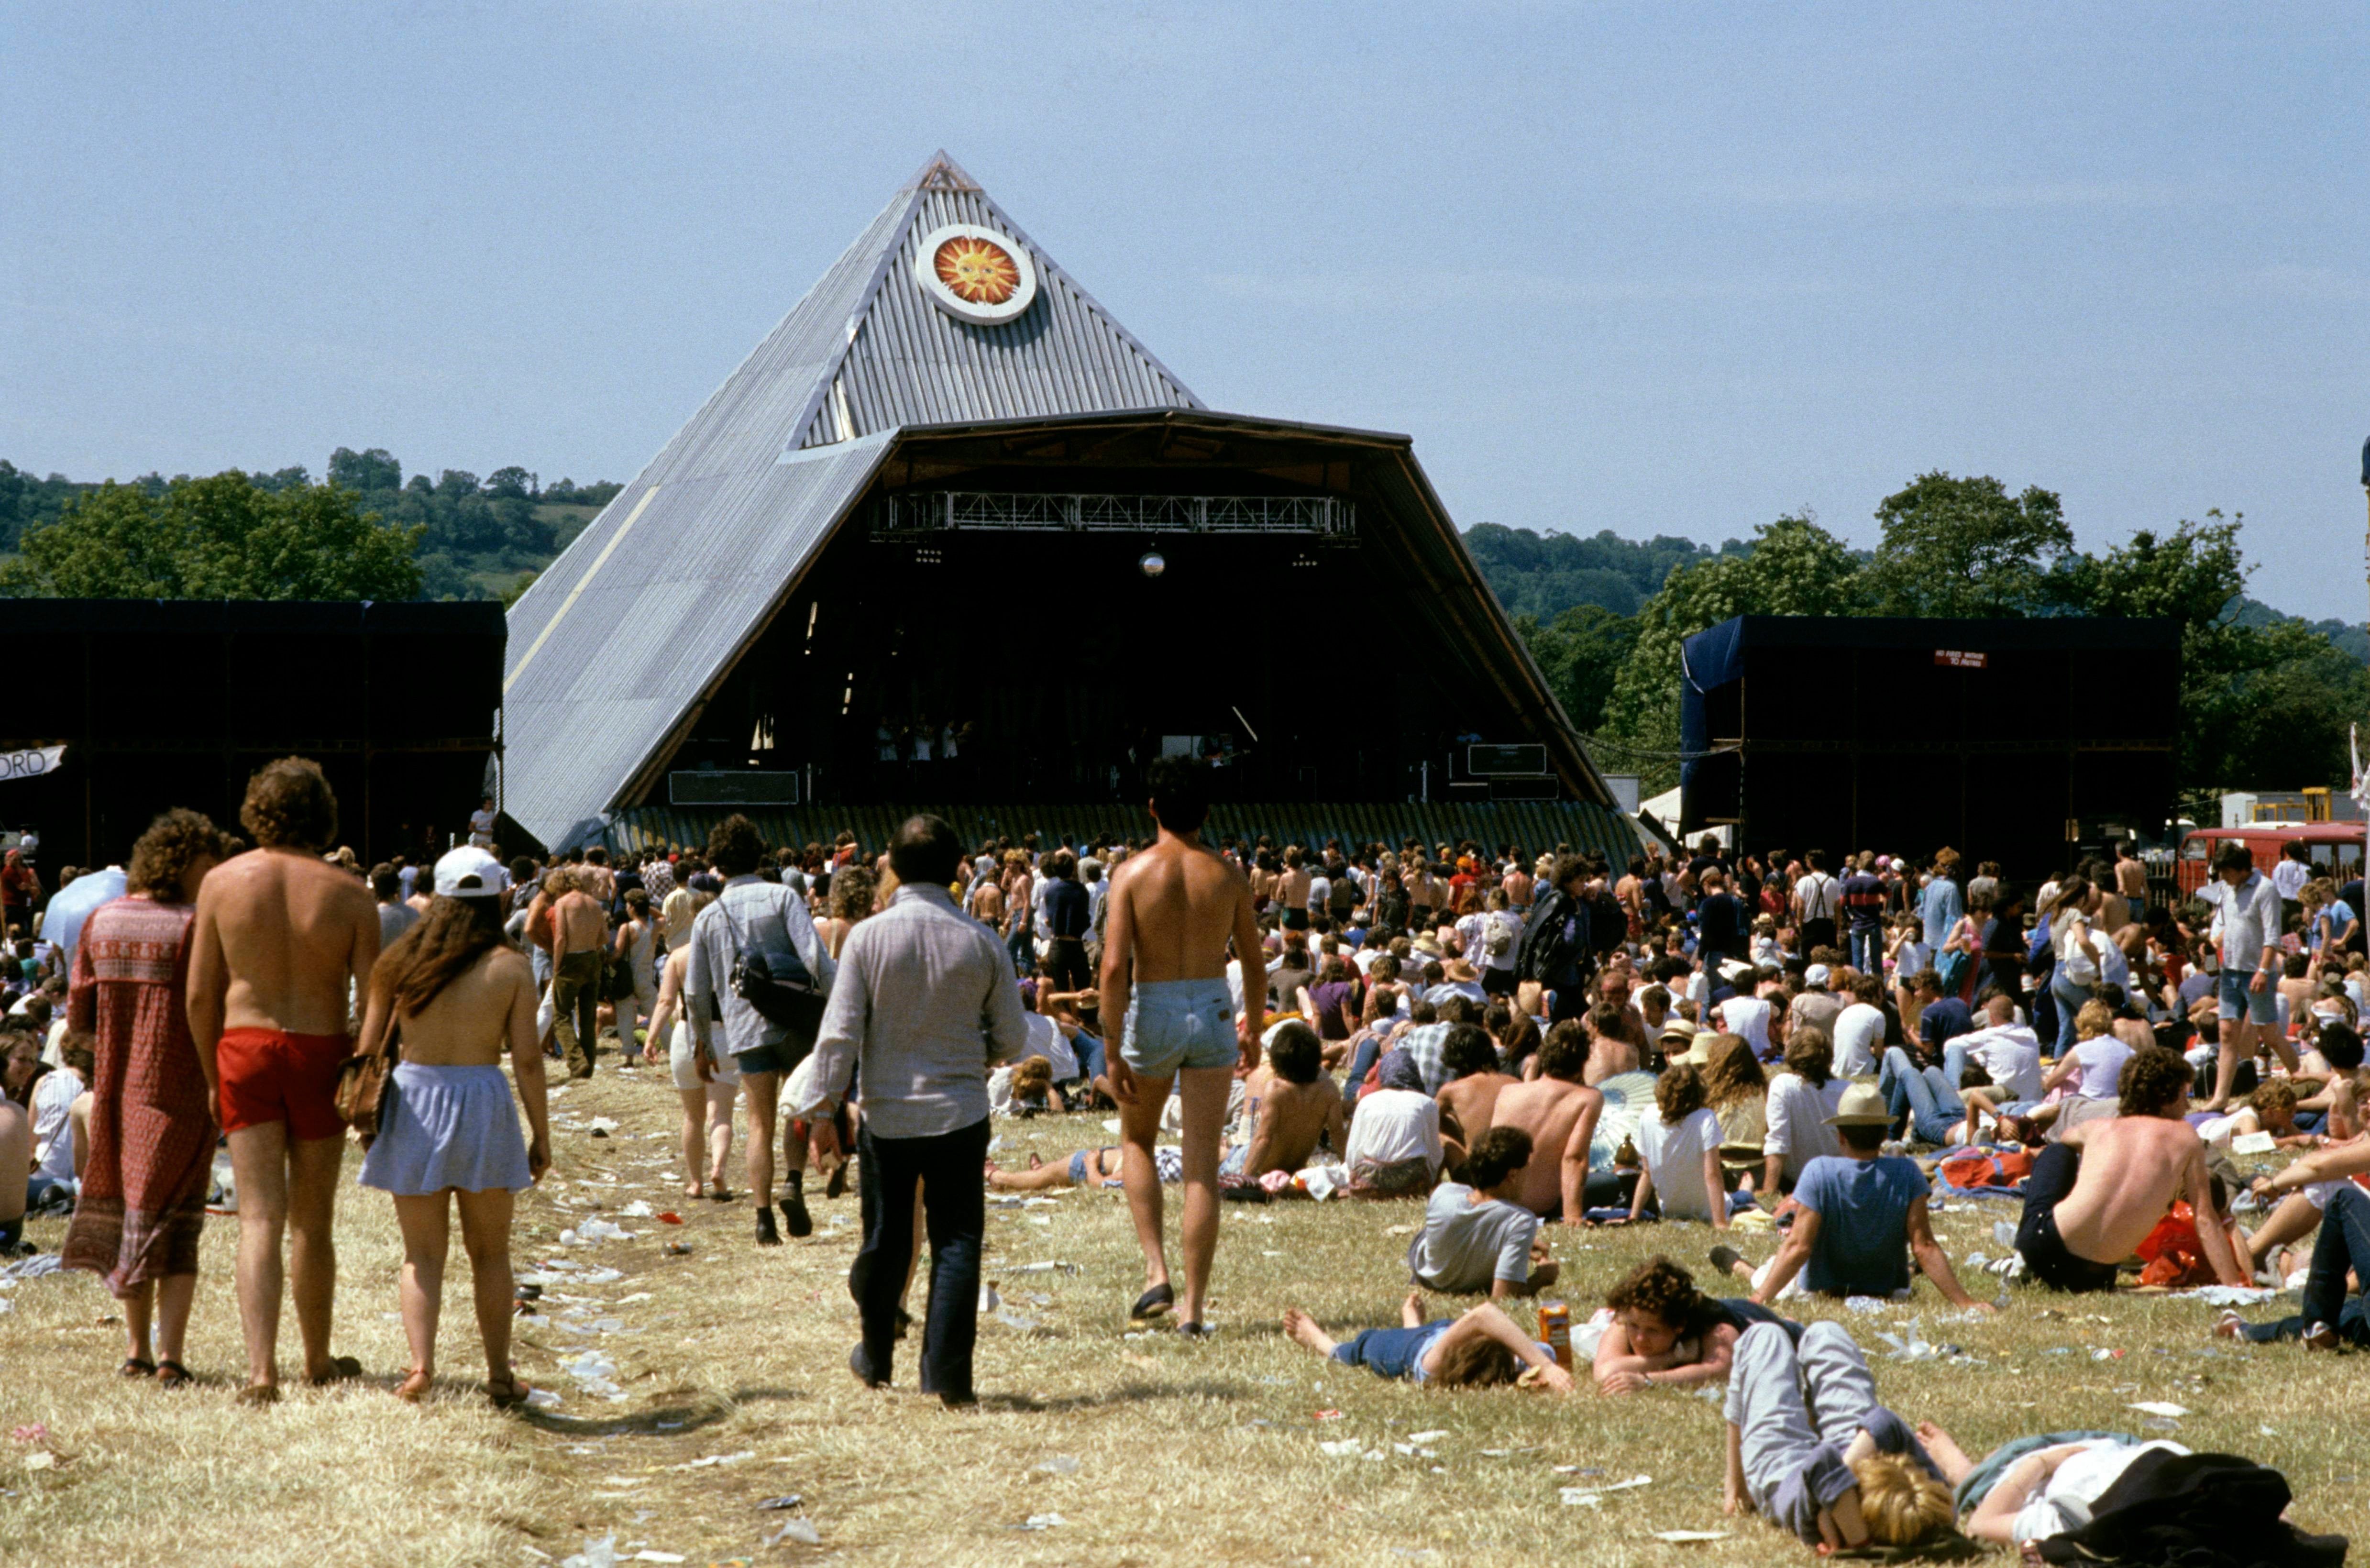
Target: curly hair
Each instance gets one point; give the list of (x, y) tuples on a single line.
[(1679, 1093), (851, 894), (735, 846), (161, 861), (2153, 1082), (290, 805), (1659, 1286)]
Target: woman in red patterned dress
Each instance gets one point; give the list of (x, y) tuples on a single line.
[(151, 1130)]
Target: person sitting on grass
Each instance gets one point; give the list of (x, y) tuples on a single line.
[(1477, 1236), (1296, 1105), (1393, 1145), (1559, 1113), (1858, 1216), (2271, 1109), (2328, 1316), (1667, 1334), (1810, 1450), (2093, 1197), (1479, 1349), (1678, 1145), (1468, 1101)]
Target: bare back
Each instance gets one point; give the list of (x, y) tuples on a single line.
[(576, 923), (280, 933), (467, 1023), (1473, 1101), (2133, 1169), (1551, 1110), (1180, 902), (1292, 1117)]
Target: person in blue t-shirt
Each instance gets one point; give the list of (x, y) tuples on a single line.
[(1940, 1019), (1860, 1215)]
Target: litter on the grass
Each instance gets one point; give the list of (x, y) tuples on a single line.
[(1061, 1464), (803, 1531), (2164, 1408), (1680, 1538), (1594, 1496)]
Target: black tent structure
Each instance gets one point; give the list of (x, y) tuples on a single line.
[(951, 535)]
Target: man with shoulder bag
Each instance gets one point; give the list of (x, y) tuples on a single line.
[(757, 961)]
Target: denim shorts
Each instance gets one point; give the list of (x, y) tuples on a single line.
[(2234, 998), (1180, 1024), (781, 1056)]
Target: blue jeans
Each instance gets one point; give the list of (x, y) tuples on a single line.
[(1390, 1352), (1362, 1062), (1868, 951), (1929, 1094), (1023, 949), (2343, 1243), (1089, 1052), (2070, 997)]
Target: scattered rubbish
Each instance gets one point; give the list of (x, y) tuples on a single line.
[(1049, 1267), (542, 1398), (1021, 1321), (647, 1555), (802, 1531), (988, 1299), (32, 1433), (2158, 1407), (41, 1460), (1040, 1522), (2160, 1423), (2253, 1143), (1061, 1464), (719, 1459), (1421, 1438), (1594, 1496), (2227, 1295), (772, 1504), (2265, 1432), (638, 1209), (678, 1249), (670, 1217), (1911, 1345), (638, 1295), (1398, 1229), (602, 1553), (1864, 1303), (1680, 1537), (1348, 1448), (601, 1126), (2103, 1354), (1326, 1415)]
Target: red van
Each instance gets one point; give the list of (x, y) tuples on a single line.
[(2335, 848)]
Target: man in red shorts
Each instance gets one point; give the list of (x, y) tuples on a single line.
[(280, 933)]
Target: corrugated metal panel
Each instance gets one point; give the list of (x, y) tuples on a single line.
[(1536, 826), (645, 608)]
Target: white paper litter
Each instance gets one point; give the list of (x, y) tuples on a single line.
[(1682, 1536), (1421, 1438), (1347, 1448), (800, 1530), (1594, 1496), (2253, 1143), (638, 1209), (2228, 1295), (1061, 1464), (648, 1556), (2164, 1408), (719, 1459), (602, 1553)]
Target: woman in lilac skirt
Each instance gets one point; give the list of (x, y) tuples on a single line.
[(456, 992)]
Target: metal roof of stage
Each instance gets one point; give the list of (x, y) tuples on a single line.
[(620, 642)]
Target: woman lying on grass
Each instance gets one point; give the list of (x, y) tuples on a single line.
[(1667, 1334), (1481, 1348)]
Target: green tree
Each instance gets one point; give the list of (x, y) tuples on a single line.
[(1966, 548), (1794, 567), (2262, 705), (224, 538), (1580, 652), (375, 469)]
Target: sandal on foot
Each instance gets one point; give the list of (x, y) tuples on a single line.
[(171, 1374), (508, 1392), (259, 1394), (414, 1387), (1196, 1331), (2320, 1336), (136, 1367), (836, 1182), (342, 1369), (1153, 1303)]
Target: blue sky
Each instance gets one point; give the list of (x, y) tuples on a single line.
[(1652, 268)]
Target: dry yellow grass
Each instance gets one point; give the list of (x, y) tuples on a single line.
[(1184, 1454)]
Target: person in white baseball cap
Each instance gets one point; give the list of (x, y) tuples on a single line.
[(470, 873)]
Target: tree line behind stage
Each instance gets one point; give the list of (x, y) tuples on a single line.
[(2266, 698)]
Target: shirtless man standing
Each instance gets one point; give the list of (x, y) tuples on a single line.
[(579, 932), (1559, 1113), (1171, 911), (2092, 1199), (280, 936), (1292, 890)]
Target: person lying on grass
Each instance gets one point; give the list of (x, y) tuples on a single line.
[(2328, 1316), (1478, 1350), (1477, 1234), (1088, 1168), (1667, 1334), (1810, 1450)]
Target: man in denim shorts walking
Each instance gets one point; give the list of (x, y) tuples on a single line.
[(1171, 911)]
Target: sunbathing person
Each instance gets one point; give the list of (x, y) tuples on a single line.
[(1468, 1101), (1560, 1114), (1667, 1334), (1294, 1105), (2094, 1198), (1481, 1348), (2328, 1315), (1087, 1168), (1812, 1451)]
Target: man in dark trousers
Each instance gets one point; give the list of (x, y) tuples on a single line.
[(925, 1000), (1555, 951), (1066, 920)]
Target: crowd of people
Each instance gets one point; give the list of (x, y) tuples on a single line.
[(1795, 1056)]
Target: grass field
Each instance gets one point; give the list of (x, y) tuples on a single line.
[(1150, 1451)]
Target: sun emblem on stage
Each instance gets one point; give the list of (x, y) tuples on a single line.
[(975, 274), (979, 271)]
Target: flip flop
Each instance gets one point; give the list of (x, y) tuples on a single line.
[(342, 1369), (1153, 1303), (510, 1392), (171, 1374), (136, 1367), (414, 1387)]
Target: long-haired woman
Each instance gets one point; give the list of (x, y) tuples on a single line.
[(458, 993)]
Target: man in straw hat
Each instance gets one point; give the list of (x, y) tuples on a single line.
[(1862, 1213)]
